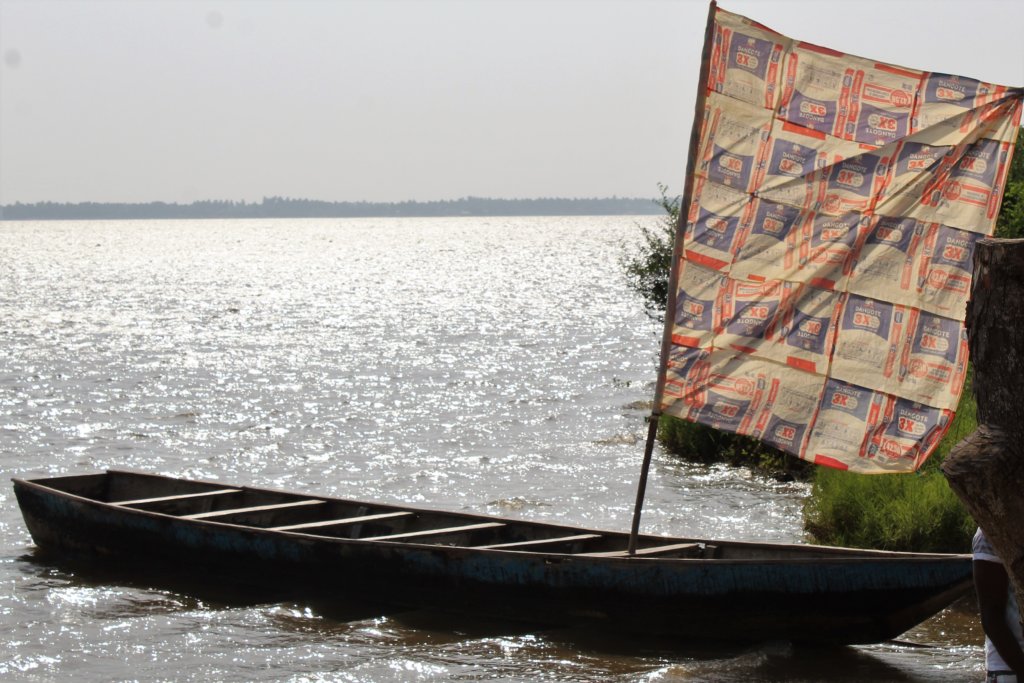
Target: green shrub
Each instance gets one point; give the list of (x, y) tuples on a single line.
[(893, 512), (646, 265), (1010, 223)]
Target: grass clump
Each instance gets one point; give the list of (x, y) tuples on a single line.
[(916, 512)]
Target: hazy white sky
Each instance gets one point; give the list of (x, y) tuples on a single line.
[(384, 100)]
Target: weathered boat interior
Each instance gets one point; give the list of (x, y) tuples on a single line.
[(343, 519)]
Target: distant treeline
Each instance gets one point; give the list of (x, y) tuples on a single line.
[(283, 207)]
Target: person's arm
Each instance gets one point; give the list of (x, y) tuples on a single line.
[(992, 584)]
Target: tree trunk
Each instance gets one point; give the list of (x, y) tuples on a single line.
[(986, 470)]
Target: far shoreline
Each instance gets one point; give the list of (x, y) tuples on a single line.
[(277, 207)]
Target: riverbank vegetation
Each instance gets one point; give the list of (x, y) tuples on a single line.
[(912, 512)]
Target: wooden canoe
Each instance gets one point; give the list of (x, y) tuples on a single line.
[(544, 573)]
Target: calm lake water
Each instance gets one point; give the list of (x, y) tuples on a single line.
[(491, 365)]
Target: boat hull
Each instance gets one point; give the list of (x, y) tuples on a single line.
[(845, 597)]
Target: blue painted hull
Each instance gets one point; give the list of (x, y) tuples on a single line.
[(750, 592)]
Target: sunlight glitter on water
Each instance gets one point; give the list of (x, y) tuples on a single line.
[(468, 364)]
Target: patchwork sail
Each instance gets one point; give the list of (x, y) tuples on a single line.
[(832, 208)]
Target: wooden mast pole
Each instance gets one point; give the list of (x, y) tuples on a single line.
[(673, 280)]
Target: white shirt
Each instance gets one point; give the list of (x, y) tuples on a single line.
[(983, 550)]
